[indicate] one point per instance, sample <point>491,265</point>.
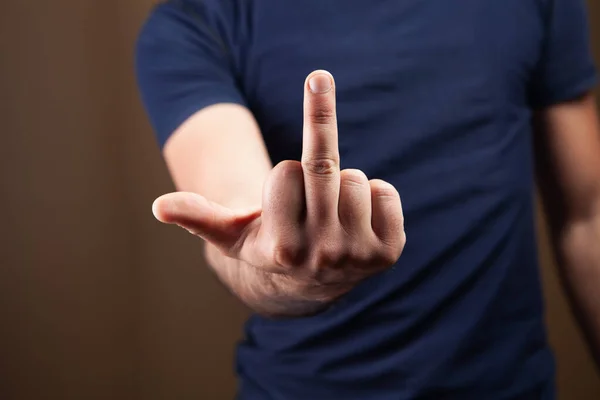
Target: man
<point>445,102</point>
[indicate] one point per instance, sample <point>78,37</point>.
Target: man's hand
<point>320,230</point>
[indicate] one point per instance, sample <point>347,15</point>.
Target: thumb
<point>223,227</point>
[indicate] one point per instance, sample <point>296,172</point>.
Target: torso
<point>432,97</point>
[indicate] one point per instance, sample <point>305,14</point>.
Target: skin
<point>314,232</point>
<point>567,144</point>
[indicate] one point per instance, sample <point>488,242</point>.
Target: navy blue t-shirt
<point>435,97</point>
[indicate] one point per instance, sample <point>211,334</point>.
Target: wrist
<point>284,297</point>
<point>275,296</point>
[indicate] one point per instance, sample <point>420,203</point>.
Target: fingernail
<point>320,83</point>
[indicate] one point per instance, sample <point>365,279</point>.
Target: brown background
<point>97,300</point>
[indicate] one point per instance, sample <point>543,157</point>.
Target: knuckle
<point>353,177</point>
<point>321,165</point>
<point>322,116</point>
<point>361,255</point>
<point>384,189</point>
<point>288,168</point>
<point>402,240</point>
<point>289,254</point>
<point>327,257</point>
<point>390,253</point>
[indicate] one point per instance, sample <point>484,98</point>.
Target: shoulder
<point>224,22</point>
<point>220,15</point>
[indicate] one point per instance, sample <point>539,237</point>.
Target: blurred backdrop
<point>97,300</point>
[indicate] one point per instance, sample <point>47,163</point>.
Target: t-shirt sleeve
<point>566,68</point>
<point>182,66</point>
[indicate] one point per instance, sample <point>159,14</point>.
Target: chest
<point>409,68</point>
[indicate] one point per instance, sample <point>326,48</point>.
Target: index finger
<point>320,152</point>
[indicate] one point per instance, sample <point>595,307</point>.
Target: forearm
<point>578,253</point>
<point>264,293</point>
<point>567,148</point>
